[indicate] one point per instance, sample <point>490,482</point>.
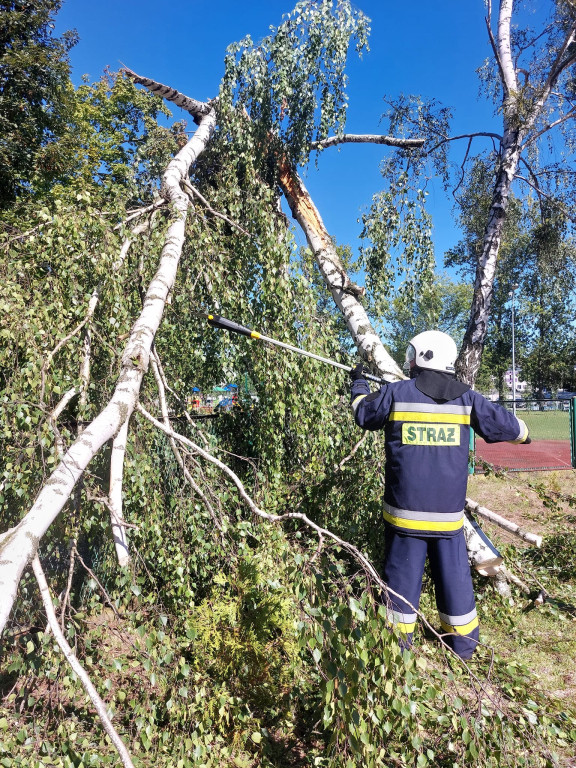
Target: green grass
<point>546,425</point>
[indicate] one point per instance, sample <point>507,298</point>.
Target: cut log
<point>507,525</point>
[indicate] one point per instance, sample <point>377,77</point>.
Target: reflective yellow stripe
<point>464,629</point>
<point>406,627</point>
<point>255,335</point>
<point>523,433</point>
<point>423,525</point>
<point>434,418</point>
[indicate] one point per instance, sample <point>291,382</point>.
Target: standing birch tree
<point>530,79</point>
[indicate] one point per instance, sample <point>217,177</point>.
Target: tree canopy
<point>35,97</point>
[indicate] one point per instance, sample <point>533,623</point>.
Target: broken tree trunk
<point>345,293</point>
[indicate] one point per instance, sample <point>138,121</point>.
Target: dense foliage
<point>35,97</point>
<point>228,640</point>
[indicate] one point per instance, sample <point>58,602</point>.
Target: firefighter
<point>426,421</point>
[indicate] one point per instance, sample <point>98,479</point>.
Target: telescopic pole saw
<point>227,325</point>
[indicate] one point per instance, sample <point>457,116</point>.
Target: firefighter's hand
<point>357,372</point>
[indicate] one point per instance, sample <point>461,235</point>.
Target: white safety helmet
<point>433,351</point>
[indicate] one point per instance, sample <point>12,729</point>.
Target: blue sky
<point>419,47</point>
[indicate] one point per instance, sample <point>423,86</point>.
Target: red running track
<point>540,454</point>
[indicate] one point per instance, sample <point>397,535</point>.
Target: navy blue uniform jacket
<point>427,450</point>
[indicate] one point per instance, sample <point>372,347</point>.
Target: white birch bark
<point>196,108</point>
<point>482,558</point>
<point>18,548</point>
<point>507,525</point>
<point>504,49</point>
<point>473,343</point>
<point>367,138</point>
<point>115,496</point>
<point>476,331</point>
<point>344,292</point>
<point>70,657</point>
<point>519,119</point>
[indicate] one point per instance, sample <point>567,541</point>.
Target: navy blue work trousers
<point>404,561</point>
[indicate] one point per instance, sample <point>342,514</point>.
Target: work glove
<point>357,372</point>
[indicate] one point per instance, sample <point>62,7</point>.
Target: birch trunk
<point>485,560</point>
<point>522,107</point>
<point>507,525</point>
<point>344,292</point>
<point>115,496</point>
<point>473,343</point>
<point>19,546</point>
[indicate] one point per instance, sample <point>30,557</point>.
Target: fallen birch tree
<point>20,545</point>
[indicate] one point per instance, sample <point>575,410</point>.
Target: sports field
<point>546,425</point>
<point>549,449</point>
<point>539,455</point>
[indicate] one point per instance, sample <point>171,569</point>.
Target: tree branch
<point>177,455</point>
<point>488,21</point>
<point>507,525</point>
<point>360,442</point>
<point>462,172</point>
<point>194,193</point>
<point>367,138</point>
<point>568,116</point>
<point>558,65</point>
<point>53,418</point>
<point>115,495</point>
<point>181,402</point>
<point>99,584</point>
<point>479,134</point>
<point>72,660</point>
<point>197,109</point>
<point>541,194</point>
<point>65,597</point>
<point>156,205</point>
<point>50,356</point>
